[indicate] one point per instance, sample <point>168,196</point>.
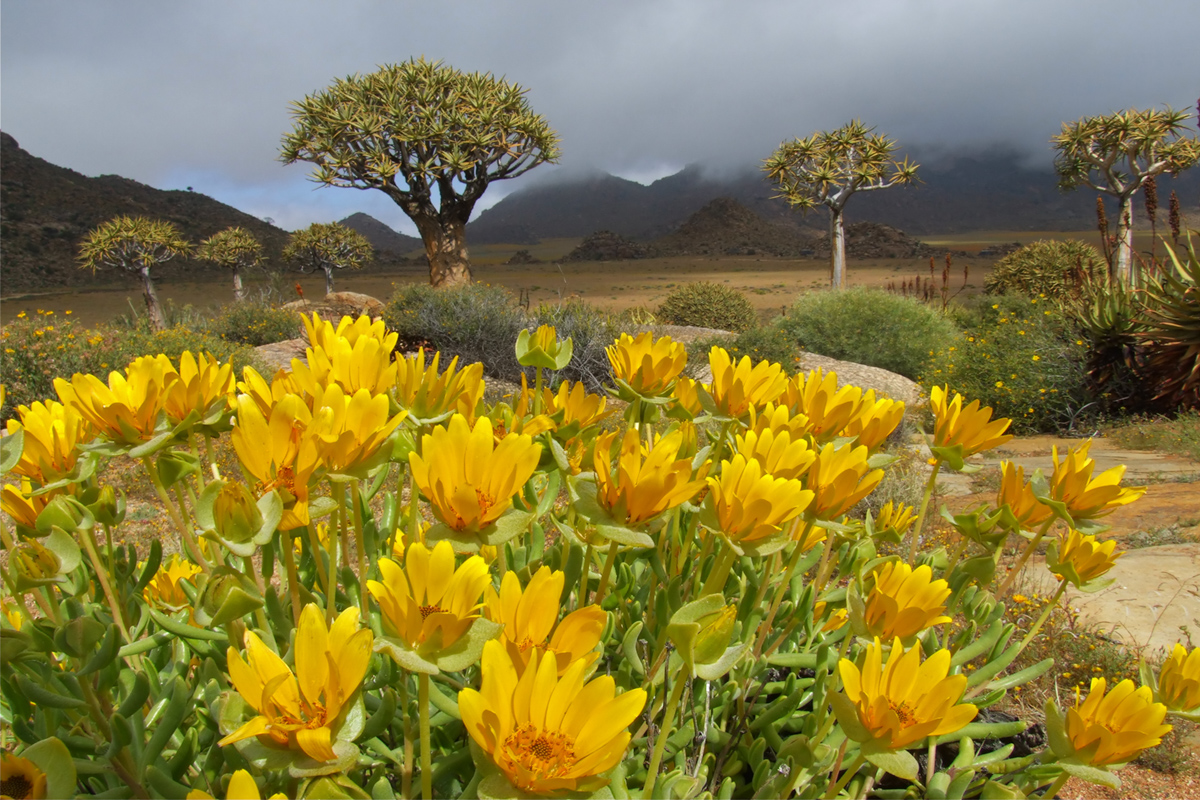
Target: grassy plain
<point>770,283</point>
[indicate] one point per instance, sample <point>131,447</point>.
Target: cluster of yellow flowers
<point>710,532</point>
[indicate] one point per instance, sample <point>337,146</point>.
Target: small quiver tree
<point>421,133</point>
<point>327,247</point>
<point>827,168</point>
<point>137,245</point>
<point>235,249</point>
<point>1116,154</point>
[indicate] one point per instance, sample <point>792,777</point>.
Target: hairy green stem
<point>919,525</point>
<point>423,716</point>
<point>1011,577</point>
<point>765,625</point>
<point>715,584</point>
<point>664,733</point>
<point>608,565</point>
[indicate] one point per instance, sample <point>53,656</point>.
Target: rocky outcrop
<point>522,257</point>
<point>336,305</point>
<point>725,227</point>
<point>608,246</point>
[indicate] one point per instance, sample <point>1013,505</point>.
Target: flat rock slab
<point>1157,590</point>
<point>279,355</point>
<point>1141,466</point>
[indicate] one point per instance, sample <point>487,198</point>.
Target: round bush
<point>869,326</point>
<point>1044,268</point>
<point>708,305</point>
<point>256,324</point>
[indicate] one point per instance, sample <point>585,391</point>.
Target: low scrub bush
<point>255,323</point>
<point>478,322</point>
<point>708,305</point>
<point>39,348</point>
<point>1021,358</point>
<point>869,326</point>
<point>1044,268</point>
<point>590,331</point>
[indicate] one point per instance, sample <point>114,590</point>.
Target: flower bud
<point>36,562</point>
<point>236,513</point>
<point>108,507</point>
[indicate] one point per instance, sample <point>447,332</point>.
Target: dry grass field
<point>770,283</point>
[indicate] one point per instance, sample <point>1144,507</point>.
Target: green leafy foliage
<point>1022,358</point>
<point>1048,267</point>
<point>869,326</point>
<point>255,323</point>
<point>132,244</point>
<point>708,305</point>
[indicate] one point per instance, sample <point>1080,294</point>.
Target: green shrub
<point>1022,359</point>
<point>1044,268</point>
<point>255,323</point>
<point>767,343</point>
<point>38,349</point>
<point>869,326</point>
<point>477,322</point>
<point>708,305</point>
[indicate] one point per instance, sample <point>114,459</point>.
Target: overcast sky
<point>194,93</point>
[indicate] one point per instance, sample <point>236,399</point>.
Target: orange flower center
<point>16,786</point>
<point>433,609</point>
<point>542,754</point>
<point>904,713</point>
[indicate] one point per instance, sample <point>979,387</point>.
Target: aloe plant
<point>1172,329</point>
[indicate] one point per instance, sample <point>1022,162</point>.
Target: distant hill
<point>726,227</point>
<point>46,210</point>
<point>992,192</point>
<point>381,237</point>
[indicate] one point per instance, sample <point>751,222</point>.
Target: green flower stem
<point>289,561</point>
<point>406,770</point>
<point>537,391</point>
<point>426,756</point>
<point>364,598</point>
<point>765,625</point>
<point>189,542</point>
<point>208,451</point>
<point>704,551</point>
<point>664,733</point>
<point>108,544</point>
<point>581,601</point>
<point>259,614</point>
<point>195,451</point>
<point>332,548</point>
<point>608,565</point>
<point>1058,784</point>
<point>849,773</point>
<point>919,525</point>
<point>1011,577</point>
<point>398,499</point>
<point>1037,626</point>
<point>314,544</point>
<point>720,572</point>
<point>89,544</point>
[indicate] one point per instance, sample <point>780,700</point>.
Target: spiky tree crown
<point>408,127</point>
<point>1115,153</point>
<point>232,248</point>
<point>131,243</point>
<point>328,245</point>
<point>829,166</point>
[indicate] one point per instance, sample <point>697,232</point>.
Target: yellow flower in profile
<point>1113,728</point>
<point>469,480</point>
<point>430,396</point>
<point>529,616</point>
<point>574,408</point>
<point>21,504</point>
<point>1016,493</point>
<point>751,505</point>
<point>778,453</point>
<point>349,430</point>
<point>241,787</point>
<point>428,604</point>
<point>323,333</point>
<point>164,590</point>
<point>127,408</point>
<point>278,453</point>
<point>903,601</point>
<point>302,709</point>
<point>905,701</point>
<point>20,778</point>
<point>643,484</point>
<point>1085,497</point>
<point>646,365</point>
<point>875,420</point>
<point>736,388</point>
<point>895,517</point>
<point>365,364</point>
<point>972,427</point>
<point>266,395</point>
<point>780,418</point>
<point>687,398</point>
<point>837,618</point>
<point>1079,558</point>
<point>543,349</point>
<point>53,433</point>
<point>201,383</point>
<point>840,477</point>
<point>548,733</point>
<point>1179,679</point>
<point>12,613</point>
<point>817,397</point>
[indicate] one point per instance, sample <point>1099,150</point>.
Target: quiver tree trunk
<point>239,294</point>
<point>446,249</point>
<point>1124,255</point>
<point>153,307</point>
<point>837,249</point>
<point>328,279</point>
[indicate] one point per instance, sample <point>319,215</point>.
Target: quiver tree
<point>235,249</point>
<point>417,129</point>
<point>1116,154</point>
<point>327,247</point>
<point>827,168</point>
<point>137,245</point>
